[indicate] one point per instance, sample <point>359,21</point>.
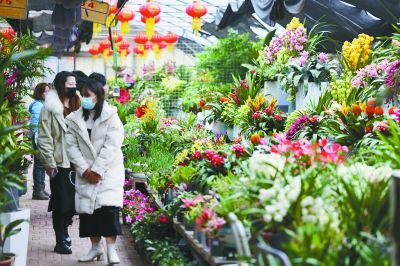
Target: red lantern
<point>7,33</point>
<point>171,39</point>
<point>123,48</point>
<point>116,37</point>
<point>156,19</point>
<point>162,45</point>
<point>111,12</point>
<point>196,10</point>
<point>141,39</point>
<point>148,46</point>
<point>94,51</point>
<point>150,10</point>
<point>124,17</point>
<point>156,39</point>
<point>105,45</point>
<point>139,52</point>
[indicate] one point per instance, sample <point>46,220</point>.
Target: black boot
<point>62,248</point>
<point>67,239</point>
<point>39,195</point>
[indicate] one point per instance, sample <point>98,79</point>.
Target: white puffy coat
<point>102,153</point>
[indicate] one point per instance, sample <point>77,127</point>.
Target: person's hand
<point>50,171</point>
<point>91,177</point>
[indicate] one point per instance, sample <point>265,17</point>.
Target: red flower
<point>140,111</point>
<point>278,117</point>
<point>196,155</point>
<point>256,115</point>
<point>209,154</point>
<point>202,103</point>
<point>268,110</point>
<point>368,129</point>
<point>370,110</point>
<point>314,119</point>
<point>238,150</point>
<point>253,71</point>
<point>217,160</point>
<point>163,219</point>
<point>124,96</point>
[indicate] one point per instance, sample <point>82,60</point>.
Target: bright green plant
<point>228,54</point>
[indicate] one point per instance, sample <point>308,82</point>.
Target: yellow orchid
<point>358,52</point>
<point>294,24</point>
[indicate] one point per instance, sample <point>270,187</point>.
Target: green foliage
<point>227,56</point>
<point>163,253</point>
<point>389,149</point>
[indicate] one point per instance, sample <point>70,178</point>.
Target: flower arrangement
<point>357,53</point>
<point>392,78</point>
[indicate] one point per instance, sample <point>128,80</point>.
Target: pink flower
<point>303,58</point>
<point>209,154</point>
<point>381,126</point>
<point>322,57</point>
<point>12,79</point>
<point>188,203</point>
<point>238,150</point>
<point>196,155</point>
<point>256,115</point>
<point>278,117</point>
<point>217,160</point>
<point>128,219</point>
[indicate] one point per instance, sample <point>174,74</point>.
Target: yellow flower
<point>357,53</point>
<point>197,146</point>
<point>272,104</point>
<point>181,157</point>
<point>294,24</point>
<point>257,103</point>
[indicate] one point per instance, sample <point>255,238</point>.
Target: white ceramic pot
<point>17,244</point>
<point>311,95</point>
<point>230,133</point>
<point>219,127</point>
<point>274,89</point>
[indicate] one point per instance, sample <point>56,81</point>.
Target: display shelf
<point>197,247</point>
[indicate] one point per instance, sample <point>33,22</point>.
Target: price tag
<point>94,11</point>
<point>15,9</point>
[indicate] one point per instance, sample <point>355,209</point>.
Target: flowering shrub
<point>392,79</point>
<point>135,206</point>
<point>366,75</point>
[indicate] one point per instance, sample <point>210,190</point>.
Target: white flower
<point>270,209</point>
<point>267,217</point>
<point>307,201</point>
<point>266,164</point>
<point>266,194</point>
<point>278,217</point>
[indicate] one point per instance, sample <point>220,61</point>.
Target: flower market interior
<point>199,132</point>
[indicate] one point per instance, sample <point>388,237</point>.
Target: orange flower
<point>224,99</point>
<point>392,109</point>
<point>370,110</point>
<point>202,103</point>
<point>379,110</point>
<point>356,109</point>
<point>255,139</point>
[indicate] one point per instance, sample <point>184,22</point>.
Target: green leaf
<point>269,37</point>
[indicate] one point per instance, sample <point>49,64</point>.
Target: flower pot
<point>310,94</point>
<point>200,236</point>
<point>216,247</point>
<point>219,128</point>
<point>9,260</point>
<point>274,89</point>
<point>230,133</point>
<point>189,225</point>
<point>17,244</point>
<point>226,236</point>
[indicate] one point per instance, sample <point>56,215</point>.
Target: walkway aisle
<point>42,240</point>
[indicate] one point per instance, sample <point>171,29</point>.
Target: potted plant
<point>6,231</point>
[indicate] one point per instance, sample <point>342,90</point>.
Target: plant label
<point>116,92</point>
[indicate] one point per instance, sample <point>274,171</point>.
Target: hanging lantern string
<point>119,10</point>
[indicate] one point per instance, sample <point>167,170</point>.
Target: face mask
<point>71,92</point>
<point>87,103</point>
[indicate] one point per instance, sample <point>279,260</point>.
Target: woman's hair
<point>95,87</point>
<point>59,84</point>
<point>81,78</point>
<point>99,77</point>
<point>39,90</point>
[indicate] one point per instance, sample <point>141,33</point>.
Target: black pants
<point>61,221</point>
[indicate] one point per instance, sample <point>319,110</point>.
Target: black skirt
<point>103,222</point>
<point>62,191</point>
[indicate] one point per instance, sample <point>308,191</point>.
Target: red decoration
<point>105,46</point>
<point>113,7</point>
<point>171,39</point>
<point>141,39</point>
<point>150,10</point>
<point>94,51</point>
<point>196,10</point>
<point>116,37</point>
<point>156,19</point>
<point>123,48</point>
<point>124,17</point>
<point>156,40</point>
<point>162,46</point>
<point>137,51</point>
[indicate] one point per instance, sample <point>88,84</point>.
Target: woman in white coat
<point>94,139</point>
